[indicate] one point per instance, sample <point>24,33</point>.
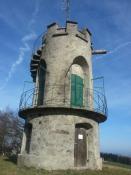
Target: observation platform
<point>94,104</point>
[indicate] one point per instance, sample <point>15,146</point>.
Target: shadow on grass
<point>12,159</point>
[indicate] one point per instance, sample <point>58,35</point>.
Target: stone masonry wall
<point>52,143</point>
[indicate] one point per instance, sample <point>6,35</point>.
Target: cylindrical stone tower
<point>62,113</point>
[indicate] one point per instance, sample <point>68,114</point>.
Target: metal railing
<point>55,95</point>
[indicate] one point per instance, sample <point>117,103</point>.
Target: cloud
<point>30,36</point>
<point>34,15</point>
<point>115,49</point>
<point>25,46</point>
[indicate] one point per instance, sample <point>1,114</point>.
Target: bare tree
<point>11,128</point>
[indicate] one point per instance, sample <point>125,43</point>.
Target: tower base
<point>38,163</point>
<point>61,141</point>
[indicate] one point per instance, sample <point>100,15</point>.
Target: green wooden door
<point>76,90</point>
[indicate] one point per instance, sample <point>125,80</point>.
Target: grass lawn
<point>9,168</point>
<point>117,165</point>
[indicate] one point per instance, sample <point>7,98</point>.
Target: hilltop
<point>8,167</point>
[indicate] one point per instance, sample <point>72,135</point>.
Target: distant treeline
<point>116,158</point>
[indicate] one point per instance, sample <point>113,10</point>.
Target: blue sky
<point>21,22</point>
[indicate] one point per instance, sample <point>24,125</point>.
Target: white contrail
<point>25,48</point>
<point>32,21</point>
<point>63,5</point>
<point>22,52</point>
<point>115,50</point>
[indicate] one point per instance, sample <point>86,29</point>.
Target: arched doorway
<point>77,82</point>
<point>80,82</point>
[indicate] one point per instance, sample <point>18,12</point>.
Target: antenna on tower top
<point>67,8</point>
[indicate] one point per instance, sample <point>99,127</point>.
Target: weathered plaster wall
<point>59,53</point>
<point>52,142</point>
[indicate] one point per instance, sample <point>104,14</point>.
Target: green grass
<point>117,165</point>
<point>9,168</point>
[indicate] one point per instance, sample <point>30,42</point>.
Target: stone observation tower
<point>63,111</point>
